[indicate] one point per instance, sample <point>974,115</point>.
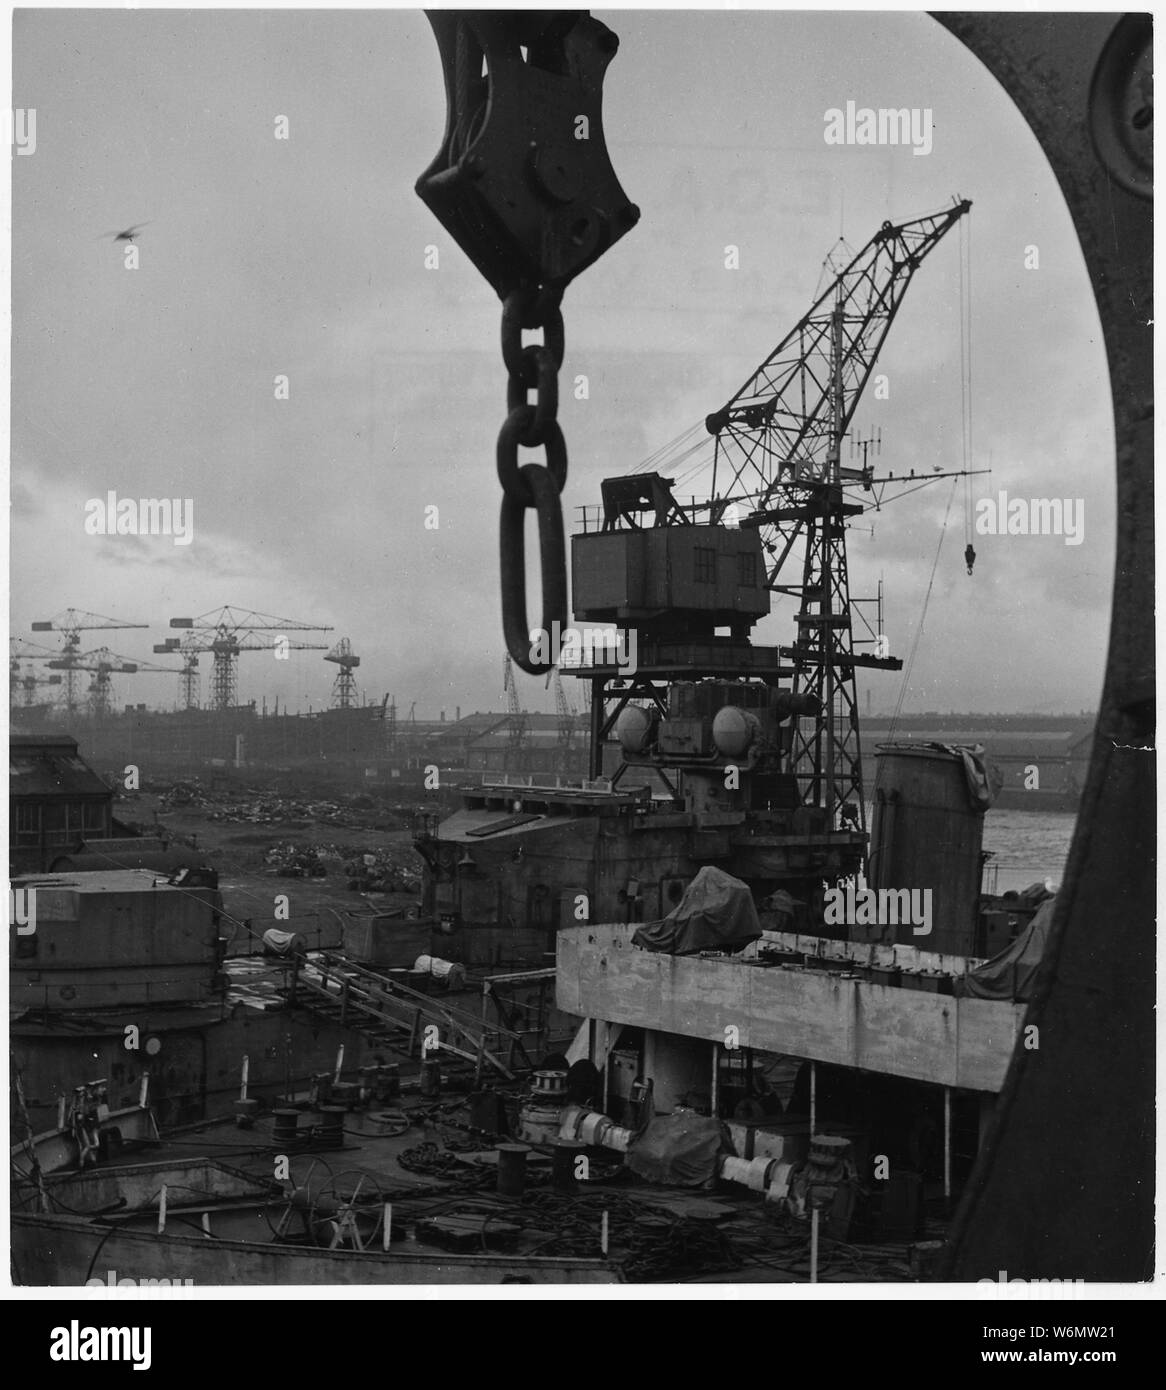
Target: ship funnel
<point>926,836</point>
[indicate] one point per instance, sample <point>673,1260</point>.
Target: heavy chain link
<point>523,183</point>
<point>534,486</point>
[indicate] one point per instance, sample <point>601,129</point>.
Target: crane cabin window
<point>704,560</point>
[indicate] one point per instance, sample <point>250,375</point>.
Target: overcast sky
<point>306,257</point>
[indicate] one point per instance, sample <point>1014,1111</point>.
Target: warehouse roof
<point>49,765</point>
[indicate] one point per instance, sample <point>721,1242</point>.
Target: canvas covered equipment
<point>716,914</point>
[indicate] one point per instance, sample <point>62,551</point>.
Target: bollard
<point>286,1126</point>
<point>431,1077</point>
<point>330,1129</point>
<point>245,1112</point>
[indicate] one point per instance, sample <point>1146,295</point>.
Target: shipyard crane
<point>189,681</point>
<point>567,714</point>
<point>389,715</point>
<point>778,446</point>
<point>344,686</point>
<point>26,684</point>
<point>517,722</point>
<point>103,664</point>
<point>777,455</point>
<point>71,623</point>
<point>225,633</point>
<point>22,685</point>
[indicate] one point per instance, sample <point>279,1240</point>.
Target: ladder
<point>394,1015</point>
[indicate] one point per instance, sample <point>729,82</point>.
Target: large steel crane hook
<point>524,185</point>
<point>523,181</point>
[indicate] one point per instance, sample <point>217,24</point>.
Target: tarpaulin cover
<point>783,903</point>
<point>715,914</point>
<point>984,778</point>
<point>282,943</point>
<point>680,1149</point>
<point>1010,975</point>
<point>1034,894</point>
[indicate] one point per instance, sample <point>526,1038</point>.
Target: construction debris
<point>259,806</point>
<point>393,869</point>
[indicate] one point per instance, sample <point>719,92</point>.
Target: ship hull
<point>62,1251</point>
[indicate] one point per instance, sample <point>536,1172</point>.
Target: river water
<point>1027,846</point>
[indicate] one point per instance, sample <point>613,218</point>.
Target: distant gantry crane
<point>72,623</point>
<point>389,715</point>
<point>344,686</point>
<point>22,685</point>
<point>103,664</point>
<point>189,680</point>
<point>225,633</point>
<point>28,684</point>
<point>517,713</point>
<point>566,713</point>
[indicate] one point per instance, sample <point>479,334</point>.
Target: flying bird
<point>129,234</point>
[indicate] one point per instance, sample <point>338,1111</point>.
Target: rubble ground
<point>370,866</point>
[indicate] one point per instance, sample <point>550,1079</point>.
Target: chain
<point>534,486</point>
<point>533,203</point>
